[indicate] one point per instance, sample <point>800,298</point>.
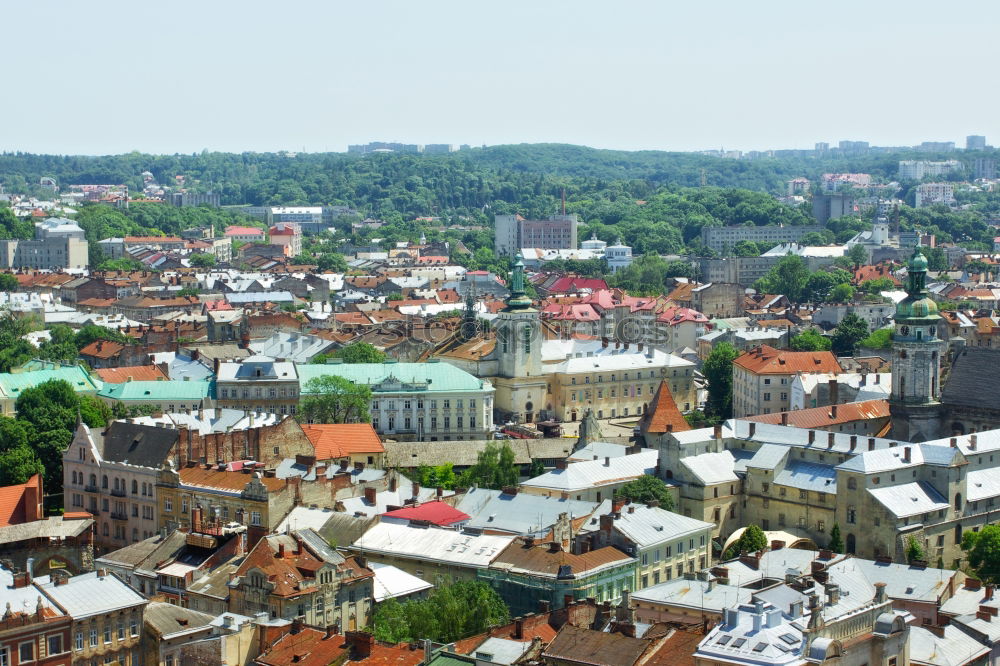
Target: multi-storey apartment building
<point>417,401</point>
<point>106,615</point>
<point>513,232</point>
<point>58,244</point>
<point>721,239</point>
<point>762,377</point>
<point>297,575</point>
<point>258,383</point>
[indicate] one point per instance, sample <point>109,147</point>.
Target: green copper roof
<point>14,383</point>
<point>917,304</point>
<point>191,391</point>
<point>437,376</point>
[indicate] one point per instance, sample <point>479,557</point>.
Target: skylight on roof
<point>739,642</point>
<point>760,647</point>
<point>789,638</point>
<point>723,639</point>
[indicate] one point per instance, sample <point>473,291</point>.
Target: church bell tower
<point>916,360</point>
<point>519,331</point>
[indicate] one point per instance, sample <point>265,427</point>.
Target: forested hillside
<point>652,200</point>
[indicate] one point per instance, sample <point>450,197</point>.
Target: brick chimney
<point>370,494</point>
<point>784,418</point>
<point>561,464</point>
<point>196,519</point>
<point>812,436</point>
<point>854,442</point>
<point>906,454</point>
<point>717,432</point>
<point>753,429</point>
<point>361,643</point>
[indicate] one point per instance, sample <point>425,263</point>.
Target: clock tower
<point>916,359</point>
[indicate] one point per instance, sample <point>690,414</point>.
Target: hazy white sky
<point>181,76</point>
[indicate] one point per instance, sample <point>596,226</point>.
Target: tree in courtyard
<point>449,613</point>
<point>983,549</point>
<point>437,476</point>
<point>849,333</point>
<point>718,371</point>
<point>842,293</point>
<point>809,340</point>
<point>18,464</point>
<point>333,399</point>
<point>647,488</point>
<point>752,540</point>
<point>360,352</point>
<point>914,551</point>
<point>495,469</point>
<point>202,260</point>
<point>788,277</point>
<point>858,255</point>
<point>8,282</point>
<point>836,543</point>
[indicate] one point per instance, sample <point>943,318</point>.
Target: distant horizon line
<point>833,147</point>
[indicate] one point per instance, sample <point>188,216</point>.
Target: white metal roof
<point>432,544</point>
<point>89,594</point>
<point>596,473</point>
<point>910,499</point>
<point>391,582</point>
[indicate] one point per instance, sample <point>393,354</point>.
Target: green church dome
<point>918,262</point>
<point>917,308</point>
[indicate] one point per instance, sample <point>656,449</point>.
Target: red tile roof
<point>663,414</point>
<point>15,502</point>
<point>675,316</point>
<point>819,417</point>
<point>338,440</point>
<point>102,349</point>
<point>133,373</point>
<point>568,283</point>
<point>437,513</point>
<point>153,239</point>
<point>309,647</point>
<point>764,360</point>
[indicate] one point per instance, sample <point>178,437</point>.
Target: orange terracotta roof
<point>764,360</point>
<point>309,647</point>
<point>682,292</point>
<point>818,417</point>
<point>540,559</point>
<point>213,478</point>
<point>338,440</point>
<point>13,510</point>
<point>97,302</point>
<point>775,323</point>
<point>133,373</point>
<point>105,349</point>
<point>663,414</point>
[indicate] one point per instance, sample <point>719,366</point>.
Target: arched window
<point>852,483</point>
<point>104,481</point>
<point>851,544</point>
<point>958,501</point>
<point>958,534</point>
<point>93,480</point>
<point>135,487</point>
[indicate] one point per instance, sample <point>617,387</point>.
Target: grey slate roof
<point>147,446</point>
<point>518,514</point>
<point>165,619</point>
<point>973,370</point>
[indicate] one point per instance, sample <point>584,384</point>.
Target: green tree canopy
<point>880,338</point>
<point>647,488</point>
<point>842,293</point>
<point>360,352</point>
<point>8,282</point>
<point>718,371</point>
<point>750,541</point>
<point>848,334</point>
<point>202,260</point>
<point>914,551</point>
<point>836,543</point>
<point>983,549</point>
<point>449,613</point>
<point>810,340</point>
<point>333,399</point>
<point>495,468</point>
<point>788,277</point>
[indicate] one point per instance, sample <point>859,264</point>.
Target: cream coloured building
<point>763,376</point>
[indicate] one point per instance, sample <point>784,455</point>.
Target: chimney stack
<point>784,418</point>
<point>812,436</point>
<point>753,429</point>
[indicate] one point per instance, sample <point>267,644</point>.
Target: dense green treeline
<point>651,200</point>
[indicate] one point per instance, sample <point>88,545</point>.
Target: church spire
<point>518,298</point>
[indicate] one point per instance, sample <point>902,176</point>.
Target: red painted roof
<point>244,231</point>
<point>438,513</point>
<point>102,349</point>
<point>674,316</point>
<point>576,283</point>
